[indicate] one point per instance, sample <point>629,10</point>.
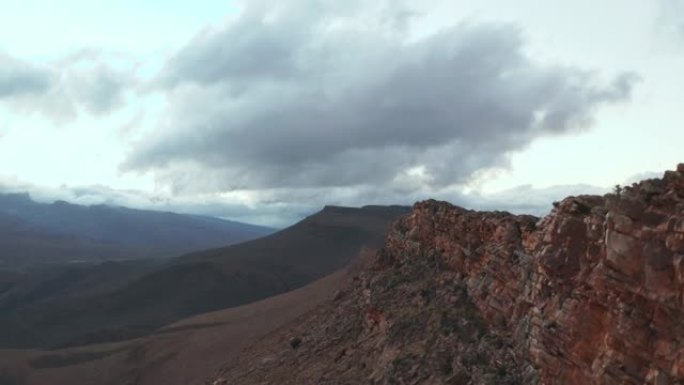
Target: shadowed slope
<point>192,284</point>
<point>182,353</point>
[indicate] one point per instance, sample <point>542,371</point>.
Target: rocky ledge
<point>593,293</point>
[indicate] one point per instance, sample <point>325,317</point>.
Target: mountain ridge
<point>38,233</point>
<point>590,294</point>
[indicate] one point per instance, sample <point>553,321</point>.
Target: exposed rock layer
<point>591,294</point>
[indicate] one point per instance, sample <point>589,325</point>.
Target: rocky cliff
<point>591,294</point>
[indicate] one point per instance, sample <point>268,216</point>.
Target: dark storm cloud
<point>59,89</point>
<point>290,100</point>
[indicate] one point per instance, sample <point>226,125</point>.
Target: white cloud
<point>61,89</point>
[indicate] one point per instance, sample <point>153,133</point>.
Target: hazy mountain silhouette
<point>34,233</point>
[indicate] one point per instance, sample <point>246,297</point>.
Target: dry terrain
<point>186,352</point>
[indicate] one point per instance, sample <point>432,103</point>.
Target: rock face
<point>591,294</point>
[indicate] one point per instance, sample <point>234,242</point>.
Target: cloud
<point>526,199</point>
<point>99,89</point>
<point>288,98</point>
<point>642,176</point>
<point>84,80</point>
<point>671,17</point>
<point>18,78</point>
<point>273,213</point>
<point>283,207</point>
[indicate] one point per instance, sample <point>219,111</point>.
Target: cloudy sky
<point>264,111</point>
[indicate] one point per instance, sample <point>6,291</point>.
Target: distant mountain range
<point>33,233</point>
<point>81,304</point>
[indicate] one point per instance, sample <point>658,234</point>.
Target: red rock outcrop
<point>593,293</point>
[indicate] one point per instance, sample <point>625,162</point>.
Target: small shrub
<point>295,342</point>
<point>617,190</point>
<point>445,365</point>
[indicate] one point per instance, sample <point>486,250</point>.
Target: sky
<point>265,111</point>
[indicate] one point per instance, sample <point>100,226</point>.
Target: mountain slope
<point>590,294</point>
<point>54,311</point>
<point>179,354</point>
<point>36,233</point>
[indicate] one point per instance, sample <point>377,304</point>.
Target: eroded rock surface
<point>591,294</point>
